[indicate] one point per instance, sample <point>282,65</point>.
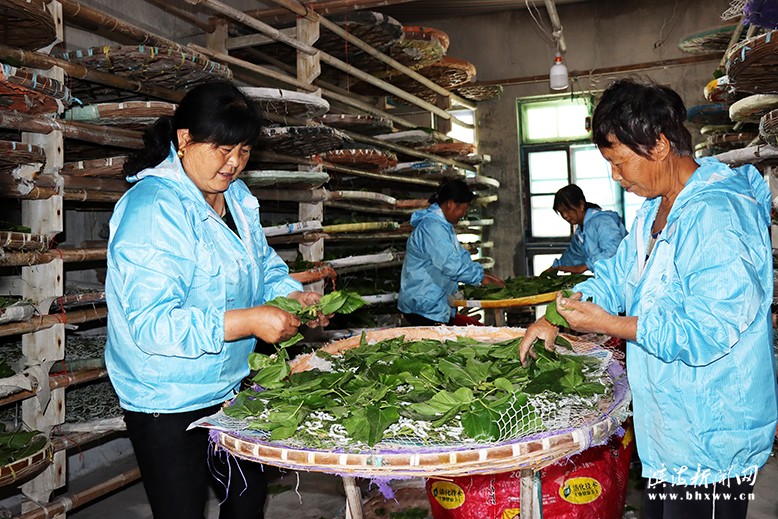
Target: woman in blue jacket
<point>597,233</point>
<point>435,262</point>
<point>189,271</point>
<point>690,290</point>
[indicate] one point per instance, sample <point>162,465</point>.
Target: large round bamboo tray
<point>13,153</point>
<point>358,123</point>
<point>397,460</point>
<point>753,64</point>
<point>750,109</point>
<point>363,158</point>
<point>164,67</point>
<point>447,72</point>
<point>266,178</point>
<point>135,115</point>
<point>732,140</point>
<point>20,470</point>
<point>708,40</point>
<point>713,113</point>
<point>25,91</point>
<point>107,167</point>
<point>376,29</point>
<point>419,47</point>
<point>479,92</point>
<point>768,127</point>
<point>287,102</point>
<point>538,299</point>
<point>450,149</point>
<point>26,24</point>
<point>300,140</point>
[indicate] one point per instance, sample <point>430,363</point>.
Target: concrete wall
<point>602,33</point>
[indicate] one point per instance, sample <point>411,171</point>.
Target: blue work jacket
<point>701,370</point>
<point>598,238</point>
<point>434,265</point>
<point>174,269</point>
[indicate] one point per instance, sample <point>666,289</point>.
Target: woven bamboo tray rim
<point>706,114</point>
<point>165,67</point>
<point>263,178</point>
<point>15,240</point>
<point>752,64</point>
<point>358,123</point>
<point>27,24</point>
<point>107,167</point>
<point>378,30</point>
<point>768,127</point>
<point>26,467</point>
<point>479,92</point>
<point>732,138</point>
<point>445,149</point>
<point>715,39</point>
<point>363,156</point>
<point>25,91</point>
<point>750,109</point>
<point>505,303</point>
<point>301,140</point>
<point>533,452</point>
<point>125,113</point>
<point>13,153</point>
<point>287,102</point>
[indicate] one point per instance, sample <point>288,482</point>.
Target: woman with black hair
<point>435,262</point>
<point>189,271</point>
<point>690,289</point>
<point>597,233</point>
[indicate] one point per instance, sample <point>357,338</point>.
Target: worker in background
<point>189,271</point>
<point>435,261</point>
<point>693,283</point>
<point>597,233</point>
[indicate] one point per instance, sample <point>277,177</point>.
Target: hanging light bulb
<point>558,75</point>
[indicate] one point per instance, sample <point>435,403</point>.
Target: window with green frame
<point>556,150</point>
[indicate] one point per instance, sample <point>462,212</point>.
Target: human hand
<point>540,329</point>
<point>582,316</point>
<point>271,324</point>
<point>548,273</point>
<point>491,279</point>
<point>309,299</point>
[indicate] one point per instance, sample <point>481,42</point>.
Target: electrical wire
<point>546,33</point>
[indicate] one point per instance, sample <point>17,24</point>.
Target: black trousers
<point>420,320</point>
<point>177,467</point>
<point>725,500</point>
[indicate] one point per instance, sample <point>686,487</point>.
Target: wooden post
<point>43,283</point>
<point>308,69</point>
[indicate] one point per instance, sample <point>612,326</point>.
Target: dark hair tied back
<point>216,113</point>
<point>455,190</point>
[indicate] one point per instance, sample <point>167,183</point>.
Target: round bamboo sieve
<point>399,460</point>
<point>13,473</point>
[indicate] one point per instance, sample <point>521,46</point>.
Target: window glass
<point>545,222</point>
<point>547,171</point>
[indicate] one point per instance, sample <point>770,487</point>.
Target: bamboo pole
<point>72,129</point>
<point>76,499</point>
<point>265,29</point>
<point>19,57</point>
<point>604,71</point>
<point>67,255</point>
<point>261,27</point>
<point>47,321</point>
<point>57,382</point>
<point>94,20</point>
<point>301,10</point>
<point>278,157</point>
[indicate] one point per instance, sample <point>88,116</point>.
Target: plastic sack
<point>588,485</point>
